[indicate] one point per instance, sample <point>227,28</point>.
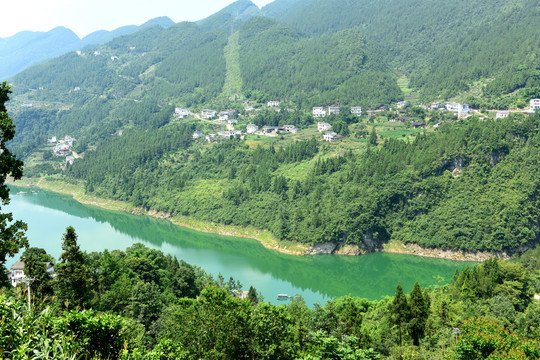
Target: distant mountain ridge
<point>28,48</point>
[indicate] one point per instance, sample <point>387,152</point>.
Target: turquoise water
<point>317,278</point>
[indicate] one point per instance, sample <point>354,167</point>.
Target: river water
<point>317,278</point>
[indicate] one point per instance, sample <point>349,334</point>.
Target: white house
<point>181,112</point>
<point>251,128</point>
<point>16,273</point>
<point>208,114</point>
<point>330,136</point>
<point>401,104</point>
<point>270,129</point>
<point>323,126</point>
<point>333,110</point>
<point>535,104</point>
<point>197,134</point>
<point>290,128</point>
<point>273,103</point>
<point>356,110</point>
<point>51,140</point>
<point>502,114</point>
<point>249,108</point>
<point>459,109</point>
<point>319,112</point>
<point>232,121</point>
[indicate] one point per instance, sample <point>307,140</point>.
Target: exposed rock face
<point>324,248</point>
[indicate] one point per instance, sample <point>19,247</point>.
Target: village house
<point>459,109</point>
<point>502,114</point>
<point>330,136</point>
<point>441,123</point>
<point>269,129</point>
<point>249,108</point>
<point>51,140</point>
<point>417,125</point>
<point>401,104</point>
<point>61,149</point>
<point>435,105</point>
<point>232,121</point>
<point>273,103</point>
<point>323,126</point>
<point>290,128</point>
<point>251,128</point>
<point>319,112</point>
<point>16,273</point>
<point>210,137</point>
<point>229,134</point>
<point>224,115</point>
<point>333,110</point>
<point>356,110</point>
<point>181,112</point>
<point>208,114</point>
<point>534,104</point>
<point>197,134</point>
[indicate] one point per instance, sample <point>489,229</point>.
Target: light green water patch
<point>316,278</point>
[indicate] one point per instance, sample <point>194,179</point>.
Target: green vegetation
<point>467,186</point>
<point>342,68</point>
<point>12,237</point>
<point>142,304</point>
<point>444,46</point>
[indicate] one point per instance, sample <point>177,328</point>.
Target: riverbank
<point>76,191</point>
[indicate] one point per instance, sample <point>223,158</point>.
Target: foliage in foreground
<point>141,304</point>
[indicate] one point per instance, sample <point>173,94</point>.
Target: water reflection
<point>317,278</point>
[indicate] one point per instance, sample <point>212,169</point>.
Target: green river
<point>317,278</point>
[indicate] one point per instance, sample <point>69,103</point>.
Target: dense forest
<point>445,46</point>
<point>142,304</point>
<point>471,185</point>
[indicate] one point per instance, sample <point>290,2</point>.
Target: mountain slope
<point>28,48</point>
<point>231,17</point>
<point>426,38</point>
<point>340,68</point>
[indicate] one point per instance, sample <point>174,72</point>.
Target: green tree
<point>72,274</point>
<point>12,237</point>
<point>400,311</point>
<point>252,295</point>
<point>419,313</point>
<point>36,261</point>
<point>373,137</point>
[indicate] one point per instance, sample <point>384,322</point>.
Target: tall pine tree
<point>419,312</point>
<point>400,311</point>
<point>72,275</point>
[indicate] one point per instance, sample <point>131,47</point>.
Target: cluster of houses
<point>460,109</point>
<point>63,147</point>
<point>16,273</point>
<point>320,111</point>
<point>250,129</point>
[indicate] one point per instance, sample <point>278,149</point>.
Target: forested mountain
<point>133,80</point>
<point>231,16</point>
<point>339,68</point>
<point>444,46</point>
<point>28,48</point>
<point>472,186</point>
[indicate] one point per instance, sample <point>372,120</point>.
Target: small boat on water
<point>21,192</point>
<point>283,297</point>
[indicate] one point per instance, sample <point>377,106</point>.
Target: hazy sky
<point>86,16</point>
